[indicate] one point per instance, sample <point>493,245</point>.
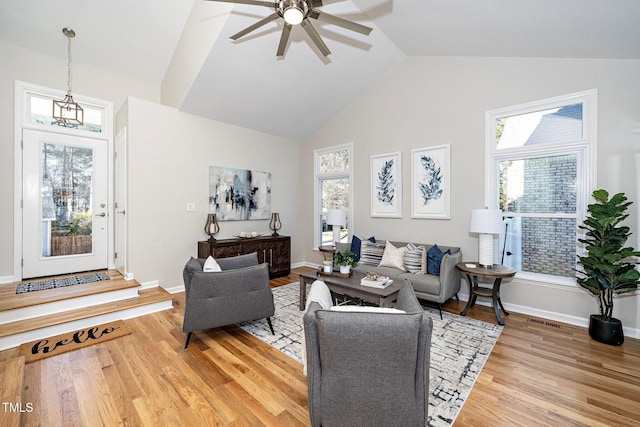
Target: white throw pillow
<point>393,257</point>
<point>211,265</point>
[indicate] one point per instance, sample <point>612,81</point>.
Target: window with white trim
<point>333,189</point>
<point>41,112</point>
<point>541,164</point>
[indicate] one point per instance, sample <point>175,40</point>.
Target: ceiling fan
<point>297,12</point>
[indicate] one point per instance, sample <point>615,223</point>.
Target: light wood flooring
<point>539,373</point>
<point>10,300</point>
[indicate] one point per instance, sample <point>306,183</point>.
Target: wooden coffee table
<point>351,287</point>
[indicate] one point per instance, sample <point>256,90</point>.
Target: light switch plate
<point>191,207</point>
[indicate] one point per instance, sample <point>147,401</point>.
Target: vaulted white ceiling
<point>243,82</point>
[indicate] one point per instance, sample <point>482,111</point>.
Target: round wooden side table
<point>473,270</point>
<point>327,250</point>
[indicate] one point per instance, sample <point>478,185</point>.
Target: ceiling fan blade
<point>251,2</point>
<point>315,37</point>
<point>255,26</point>
<point>284,38</point>
<point>340,22</point>
<point>318,3</point>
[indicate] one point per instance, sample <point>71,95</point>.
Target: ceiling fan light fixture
<point>293,12</point>
<point>297,12</point>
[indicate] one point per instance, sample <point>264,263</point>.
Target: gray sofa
<point>368,369</point>
<point>428,287</point>
<point>239,293</point>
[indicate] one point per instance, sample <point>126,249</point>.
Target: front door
<point>64,204</point>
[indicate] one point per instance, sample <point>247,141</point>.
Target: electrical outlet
<point>191,207</point>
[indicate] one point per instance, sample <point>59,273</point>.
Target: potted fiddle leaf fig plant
<point>608,267</point>
<point>346,260</point>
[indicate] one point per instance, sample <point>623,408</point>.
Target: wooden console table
<point>276,251</point>
<point>473,270</point>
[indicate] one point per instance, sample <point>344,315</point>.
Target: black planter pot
<point>606,331</point>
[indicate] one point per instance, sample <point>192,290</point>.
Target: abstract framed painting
<point>386,185</point>
<point>431,182</point>
<point>239,194</point>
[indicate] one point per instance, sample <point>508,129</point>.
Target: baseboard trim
<point>549,315</point>
<point>6,279</point>
<point>175,289</point>
<point>309,264</point>
<point>150,284</point>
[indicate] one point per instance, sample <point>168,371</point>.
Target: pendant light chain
<point>69,65</point>
<point>67,112</point>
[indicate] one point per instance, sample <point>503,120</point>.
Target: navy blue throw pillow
<point>356,244</point>
<point>434,259</point>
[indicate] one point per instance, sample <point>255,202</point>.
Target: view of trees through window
<point>333,175</point>
<point>66,197</point>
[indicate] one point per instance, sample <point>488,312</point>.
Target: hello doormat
<point>43,285</point>
<point>71,341</point>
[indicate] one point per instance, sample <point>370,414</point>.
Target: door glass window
<point>67,173</point>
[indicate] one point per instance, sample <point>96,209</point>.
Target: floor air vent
<point>544,323</point>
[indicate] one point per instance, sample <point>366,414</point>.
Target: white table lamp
<point>336,218</point>
<point>487,223</point>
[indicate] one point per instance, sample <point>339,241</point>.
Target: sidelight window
<point>333,169</point>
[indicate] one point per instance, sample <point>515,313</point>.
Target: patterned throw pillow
<point>415,259</point>
<point>356,244</point>
<point>393,257</point>
<point>434,259</point>
<point>371,253</point>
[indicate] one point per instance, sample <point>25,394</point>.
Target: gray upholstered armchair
<point>239,293</point>
<point>368,368</point>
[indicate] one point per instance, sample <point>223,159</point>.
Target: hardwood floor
<point>539,373</point>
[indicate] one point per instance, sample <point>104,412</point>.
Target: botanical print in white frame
<point>386,185</point>
<point>430,182</point>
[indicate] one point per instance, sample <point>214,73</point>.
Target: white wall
<point>431,101</point>
<point>33,67</point>
<point>203,28</point>
<point>168,156</point>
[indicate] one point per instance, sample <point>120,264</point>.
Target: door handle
<point>121,212</point>
<point>101,214</point>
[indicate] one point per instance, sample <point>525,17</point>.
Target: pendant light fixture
<point>67,112</point>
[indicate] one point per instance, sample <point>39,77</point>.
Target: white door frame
<point>23,92</point>
<point>120,204</point>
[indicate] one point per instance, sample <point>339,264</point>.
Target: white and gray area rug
<point>460,346</point>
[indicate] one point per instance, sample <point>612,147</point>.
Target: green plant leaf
<point>601,195</point>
